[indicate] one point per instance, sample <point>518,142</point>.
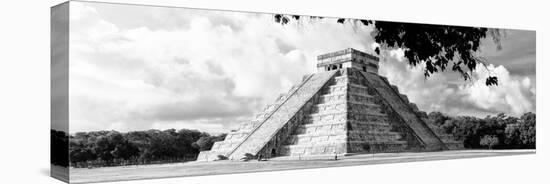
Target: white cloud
<point>511,95</point>
<point>447,92</point>
<point>211,70</point>
<point>222,65</point>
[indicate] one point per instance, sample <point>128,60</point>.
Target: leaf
<point>491,80</point>
<point>366,22</point>
<point>377,50</point>
<point>278,18</point>
<point>285,20</point>
<point>341,21</point>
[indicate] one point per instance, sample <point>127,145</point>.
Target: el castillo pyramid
<point>345,108</point>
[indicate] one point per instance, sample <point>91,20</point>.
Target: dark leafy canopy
<point>439,47</point>
<point>499,132</point>
<point>206,142</point>
<point>137,146</point>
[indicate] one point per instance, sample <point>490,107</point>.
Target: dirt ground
<point>82,175</point>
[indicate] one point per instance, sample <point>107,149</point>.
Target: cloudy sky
<point>140,67</point>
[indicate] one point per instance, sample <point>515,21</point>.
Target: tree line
<point>105,148</point>
<point>493,132</point>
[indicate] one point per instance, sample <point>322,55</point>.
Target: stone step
<point>365,99</point>
<point>376,147</point>
<point>321,130</point>
<point>313,149</point>
<point>374,136</point>
<point>333,97</point>
<point>360,94</point>
<point>336,117</point>
<point>341,80</point>
<point>358,107</point>
<point>347,79</point>
<point>332,115</point>
<point>356,123</point>
<point>369,127</point>
<point>316,139</point>
<point>340,106</point>
<point>366,116</point>
<point>350,97</point>
<point>311,122</point>
<point>345,87</point>
<point>319,134</point>
<point>322,123</point>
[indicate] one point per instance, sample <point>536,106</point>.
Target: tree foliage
<point>150,145</point>
<point>437,47</point>
<point>509,132</point>
<point>489,141</point>
<point>206,142</point>
<point>527,129</point>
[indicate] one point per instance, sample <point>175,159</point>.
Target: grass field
<point>225,167</point>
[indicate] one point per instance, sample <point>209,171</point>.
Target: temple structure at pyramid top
<point>348,58</point>
<point>344,108</point>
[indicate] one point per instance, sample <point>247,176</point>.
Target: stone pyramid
<point>345,108</point>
